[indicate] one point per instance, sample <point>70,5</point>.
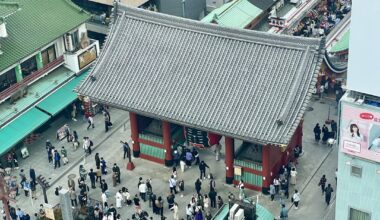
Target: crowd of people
<point>320,20</point>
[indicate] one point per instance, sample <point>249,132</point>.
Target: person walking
<point>202,169</point>
<point>241,190</point>
<point>103,166</point>
<point>107,122</point>
<point>325,132</point>
<point>293,176</point>
<point>175,211</point>
<point>272,192</point>
<point>296,198</point>
<point>322,183</point>
<point>189,158</point>
<point>283,212</point>
<point>170,198</point>
<point>182,164</point>
<point>119,199</point>
<point>126,148</point>
<point>212,195</point>
<point>143,189</point>
<point>104,198</point>
<point>317,132</point>
<point>206,203</point>
<point>116,172</point>
<point>73,198</point>
<point>160,206</point>
<point>196,156</point>
<point>276,183</point>
<point>90,121</point>
<point>212,182</point>
<point>92,175</point>
<point>217,149</point>
<point>57,159</point>
<point>67,133</point>
<point>176,158</point>
<point>189,212</point>
<point>97,160</point>
<point>173,184</point>
<point>104,186</point>
<point>198,186</point>
<point>328,192</point>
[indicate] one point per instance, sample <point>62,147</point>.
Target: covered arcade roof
<point>235,14</point>
<point>245,84</point>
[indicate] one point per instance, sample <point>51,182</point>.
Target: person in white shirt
<point>119,199</point>
<point>142,189</point>
<point>296,198</point>
<point>173,184</point>
<point>104,198</point>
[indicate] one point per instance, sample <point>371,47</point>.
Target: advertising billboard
<point>360,131</point>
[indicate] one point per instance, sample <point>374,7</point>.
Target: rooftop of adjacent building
<point>34,24</point>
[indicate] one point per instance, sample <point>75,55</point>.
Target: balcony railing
<point>30,78</point>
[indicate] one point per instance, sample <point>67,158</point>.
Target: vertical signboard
<point>360,131</point>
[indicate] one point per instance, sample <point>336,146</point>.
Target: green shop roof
<point>235,14</point>
<point>35,24</point>
<point>342,44</point>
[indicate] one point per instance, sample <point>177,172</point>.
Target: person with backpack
<point>322,183</point>
<point>202,169</point>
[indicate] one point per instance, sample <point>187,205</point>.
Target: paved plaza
<point>317,159</point>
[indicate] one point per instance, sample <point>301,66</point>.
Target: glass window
<point>359,215</point>
<point>48,55</point>
<point>7,79</point>
<point>29,66</point>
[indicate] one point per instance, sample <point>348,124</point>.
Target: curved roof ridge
<point>193,25</point>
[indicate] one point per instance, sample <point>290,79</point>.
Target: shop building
<point>45,52</point>
<point>359,121</point>
<point>192,83</point>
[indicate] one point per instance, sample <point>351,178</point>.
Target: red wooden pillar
<point>134,134</point>
<point>167,143</point>
<point>266,169</point>
<point>300,134</point>
<point>229,159</point>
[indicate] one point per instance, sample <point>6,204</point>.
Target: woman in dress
<point>119,199</point>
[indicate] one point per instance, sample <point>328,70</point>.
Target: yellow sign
<point>49,212</point>
<point>237,170</point>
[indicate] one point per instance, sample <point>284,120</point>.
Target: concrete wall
<point>194,9</point>
<point>355,192</point>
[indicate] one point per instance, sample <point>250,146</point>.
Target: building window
<point>29,66</point>
<point>356,171</point>
<point>71,41</point>
<point>7,79</point>
<point>48,55</point>
<point>358,215</point>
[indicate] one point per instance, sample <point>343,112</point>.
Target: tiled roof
<point>246,84</point>
<point>37,23</point>
<point>236,14</point>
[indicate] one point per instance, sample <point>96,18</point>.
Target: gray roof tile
<point>233,82</point>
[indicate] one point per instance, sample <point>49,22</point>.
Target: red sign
<point>367,116</point>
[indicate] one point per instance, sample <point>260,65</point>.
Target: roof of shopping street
<point>241,83</point>
<point>237,13</point>
<point>35,24</point>
<point>342,44</point>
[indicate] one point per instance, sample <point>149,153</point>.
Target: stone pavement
<point>111,150</point>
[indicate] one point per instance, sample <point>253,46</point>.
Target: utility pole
<point>183,8</point>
